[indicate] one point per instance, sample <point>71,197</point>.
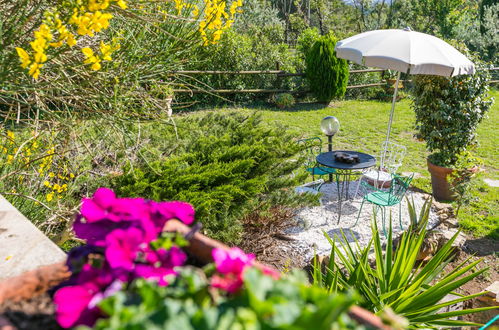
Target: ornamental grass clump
<point>92,56</point>
<point>132,275</point>
<point>398,282</point>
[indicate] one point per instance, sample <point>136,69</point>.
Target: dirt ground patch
<point>35,313</point>
<point>264,236</point>
<point>488,251</point>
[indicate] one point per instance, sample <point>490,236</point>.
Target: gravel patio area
<point>312,222</point>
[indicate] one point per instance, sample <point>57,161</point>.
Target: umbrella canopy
<point>404,51</point>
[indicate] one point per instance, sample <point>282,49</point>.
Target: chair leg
<point>337,183</point>
<point>358,215</point>
<point>320,186</point>
<point>383,219</point>
<point>375,215</point>
<point>400,216</point>
<point>357,189</point>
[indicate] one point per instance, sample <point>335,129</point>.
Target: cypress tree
<point>327,74</point>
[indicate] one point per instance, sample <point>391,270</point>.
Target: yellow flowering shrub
<point>64,26</point>
<point>33,173</point>
<point>87,18</point>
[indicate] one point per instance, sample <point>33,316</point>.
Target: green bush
<point>306,40</point>
<point>187,303</point>
<point>226,165</point>
<point>327,74</point>
<point>284,100</point>
<point>256,50</point>
<point>448,111</point>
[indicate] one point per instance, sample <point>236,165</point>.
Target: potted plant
<point>136,271</point>
<point>284,100</point>
<point>448,111</point>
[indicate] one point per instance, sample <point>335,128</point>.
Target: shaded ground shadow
<point>482,246</point>
<point>347,208</point>
<point>350,235</point>
<point>304,106</point>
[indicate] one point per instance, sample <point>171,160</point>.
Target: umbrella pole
<point>391,118</point>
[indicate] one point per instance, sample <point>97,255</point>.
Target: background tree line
<point>277,33</point>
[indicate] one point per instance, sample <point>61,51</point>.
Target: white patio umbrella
<point>404,51</point>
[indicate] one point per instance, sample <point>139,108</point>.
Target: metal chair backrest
<point>391,157</point>
<point>399,186</point>
<point>311,148</point>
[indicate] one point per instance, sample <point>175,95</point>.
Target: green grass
<point>363,128</point>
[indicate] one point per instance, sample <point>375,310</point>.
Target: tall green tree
<point>327,74</point>
<point>437,17</point>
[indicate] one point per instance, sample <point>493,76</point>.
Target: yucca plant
<point>398,281</point>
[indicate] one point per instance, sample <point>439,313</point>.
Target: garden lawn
<point>363,128</point>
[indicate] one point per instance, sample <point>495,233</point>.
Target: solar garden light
<point>330,126</point>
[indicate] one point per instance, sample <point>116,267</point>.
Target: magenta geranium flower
<point>72,305</point>
<point>98,207</point>
<point>179,210</point>
<point>160,264</point>
<point>230,283</point>
<point>122,247</point>
<point>231,264</point>
<point>232,261</point>
<point>104,212</point>
<point>119,232</point>
<point>270,272</point>
<point>95,232</point>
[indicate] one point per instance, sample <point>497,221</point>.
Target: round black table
<point>345,170</point>
<point>365,160</point>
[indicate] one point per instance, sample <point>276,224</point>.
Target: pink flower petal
<point>94,232</point>
<point>179,210</point>
<point>91,211</point>
<point>104,197</point>
<point>71,303</point>
<point>122,247</point>
<point>159,274</point>
<point>270,272</point>
<point>229,283</point>
<point>232,261</point>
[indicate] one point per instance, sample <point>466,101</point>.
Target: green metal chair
<point>383,198</point>
<point>312,147</point>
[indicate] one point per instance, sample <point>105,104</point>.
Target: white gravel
<point>312,222</point>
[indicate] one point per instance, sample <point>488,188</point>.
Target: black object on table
<point>347,163</point>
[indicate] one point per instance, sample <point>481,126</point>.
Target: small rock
<point>491,297</point>
<point>305,190</point>
<point>443,216</point>
<point>491,183</point>
<point>322,260</point>
<point>450,222</point>
<point>452,308</point>
<point>441,206</point>
<point>303,223</point>
<point>460,239</point>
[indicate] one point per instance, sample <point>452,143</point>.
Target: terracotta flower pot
<point>33,283</point>
<point>440,186</point>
